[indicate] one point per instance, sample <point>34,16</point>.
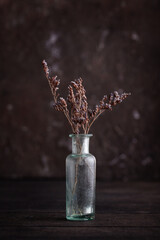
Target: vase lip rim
<point>81,135</point>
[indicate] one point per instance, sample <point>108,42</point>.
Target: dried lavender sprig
<point>45,68</point>
<point>61,104</point>
<point>53,82</point>
<point>82,104</point>
<point>79,105</point>
<point>113,100</point>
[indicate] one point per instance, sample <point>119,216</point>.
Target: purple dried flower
<point>79,115</point>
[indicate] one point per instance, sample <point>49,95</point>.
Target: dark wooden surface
<point>36,210</point>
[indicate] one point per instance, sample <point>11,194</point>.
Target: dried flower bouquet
<point>79,116</point>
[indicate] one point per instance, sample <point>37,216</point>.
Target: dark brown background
<point>112,45</point>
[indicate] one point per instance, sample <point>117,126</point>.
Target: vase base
<point>85,217</point>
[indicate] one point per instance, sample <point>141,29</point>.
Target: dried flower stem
<point>90,124</point>
<point>76,177</point>
<point>68,118</point>
<point>76,167</point>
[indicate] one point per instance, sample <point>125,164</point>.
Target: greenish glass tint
<point>80,180</point>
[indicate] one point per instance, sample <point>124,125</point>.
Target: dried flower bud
<point>45,67</point>
<point>75,85</point>
<point>63,102</point>
<point>110,98</point>
<point>71,97</point>
<point>116,94</point>
<point>90,113</point>
<point>58,107</point>
<point>125,95</point>
<point>110,107</point>
<point>104,98</point>
<point>77,97</point>
<point>55,81</point>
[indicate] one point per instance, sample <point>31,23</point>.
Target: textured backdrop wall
<point>112,45</point>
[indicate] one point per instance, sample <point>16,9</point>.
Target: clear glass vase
<point>80,180</point>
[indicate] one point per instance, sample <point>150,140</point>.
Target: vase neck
<point>80,143</point>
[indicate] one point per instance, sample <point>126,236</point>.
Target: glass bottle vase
<point>80,180</point>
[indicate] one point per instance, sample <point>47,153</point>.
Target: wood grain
<point>36,210</point>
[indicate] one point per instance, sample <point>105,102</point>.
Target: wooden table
<point>36,210</point>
